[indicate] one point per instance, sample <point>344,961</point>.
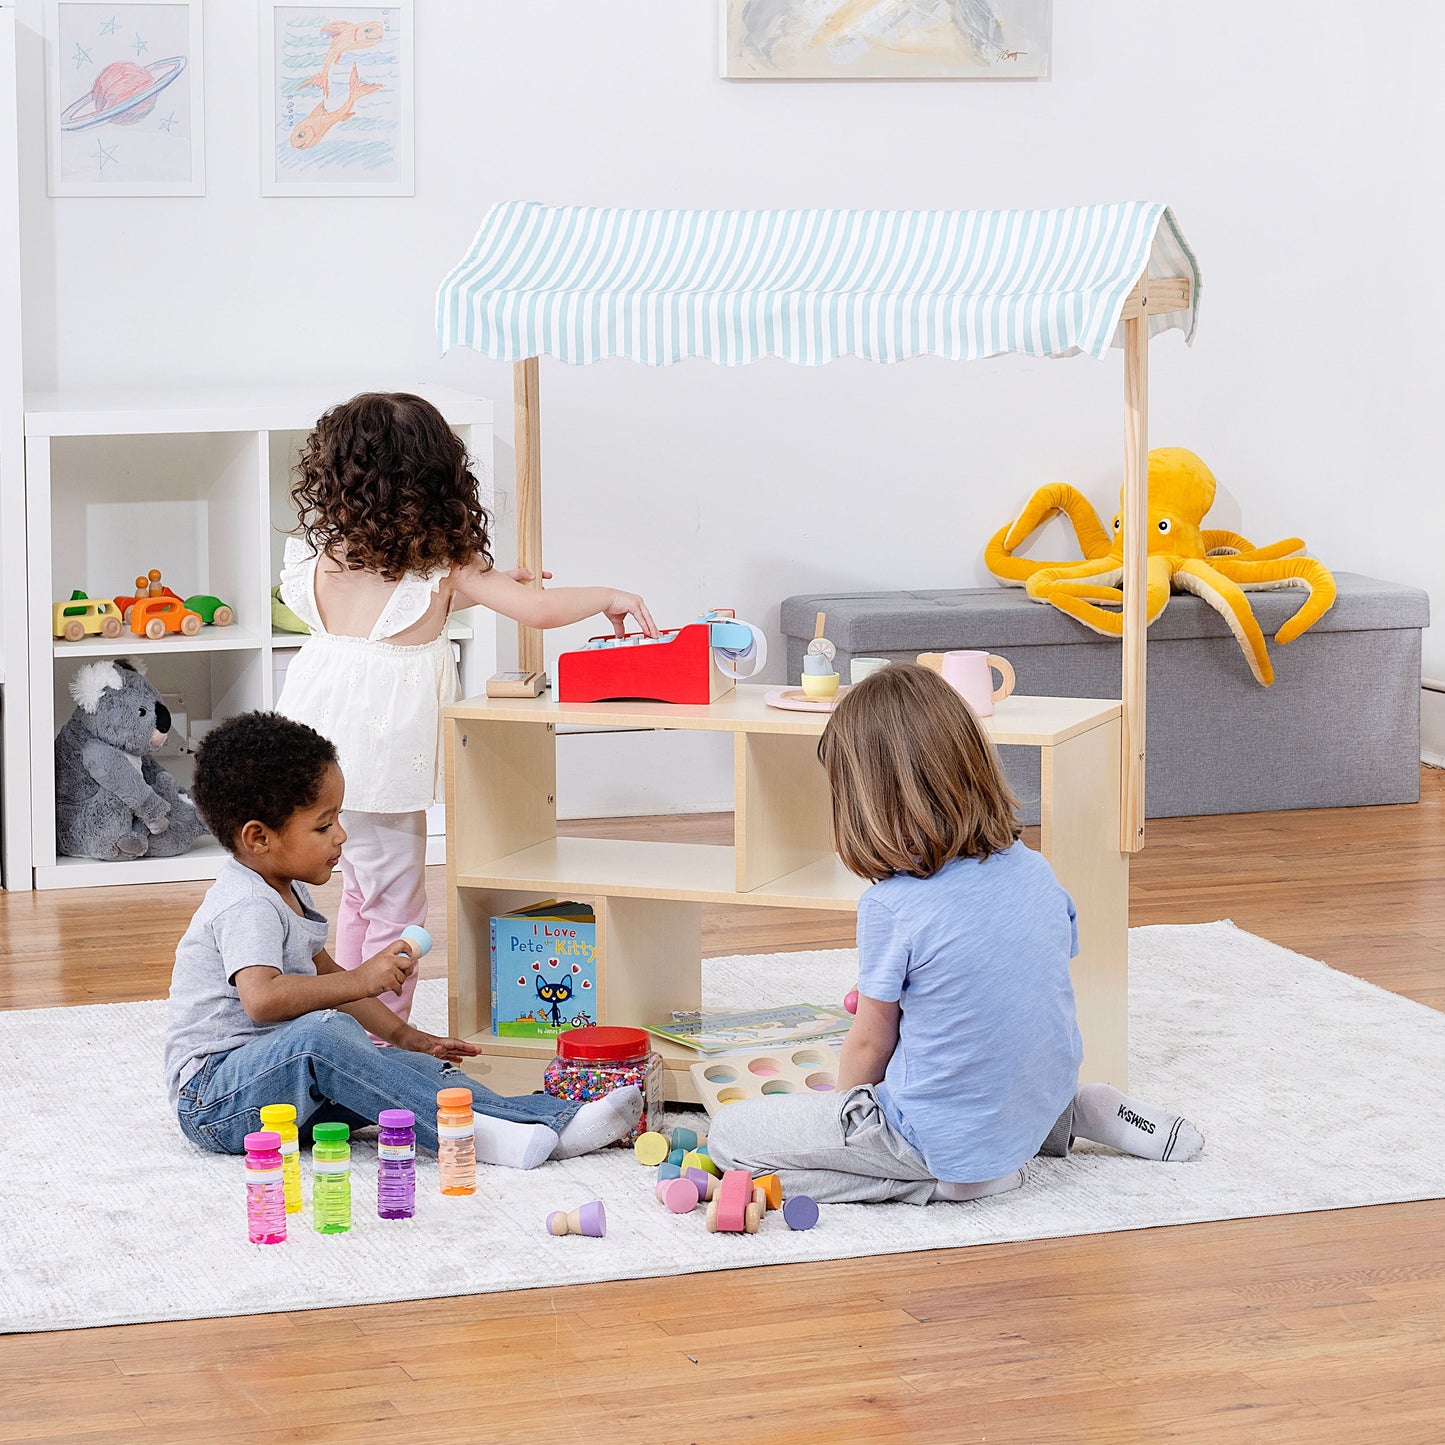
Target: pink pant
<point>383,872</point>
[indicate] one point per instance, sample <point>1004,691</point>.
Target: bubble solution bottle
<point>265,1197</point>
<point>331,1178</point>
<point>396,1164</point>
<point>456,1142</point>
<point>282,1119</point>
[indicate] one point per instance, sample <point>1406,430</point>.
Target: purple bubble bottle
<point>396,1164</point>
<point>265,1191</point>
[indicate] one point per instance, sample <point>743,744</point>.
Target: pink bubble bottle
<point>265,1193</point>
<point>396,1164</point>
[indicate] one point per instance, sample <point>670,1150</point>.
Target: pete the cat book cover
<point>544,970</point>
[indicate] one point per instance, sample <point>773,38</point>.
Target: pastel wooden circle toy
<point>800,1212</point>
<point>771,1188</point>
<point>706,1184</point>
<point>668,1170</point>
<point>650,1148</point>
<point>688,1139</point>
<point>589,1219</point>
<point>693,1160</point>
<point>417,939</point>
<point>680,1195</point>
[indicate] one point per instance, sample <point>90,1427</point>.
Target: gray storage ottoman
<point>1340,727</point>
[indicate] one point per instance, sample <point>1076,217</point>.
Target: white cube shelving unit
<point>196,484</point>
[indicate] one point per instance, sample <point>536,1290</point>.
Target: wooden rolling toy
<point>738,1208</point>
<point>800,1211</point>
<point>772,1190</point>
<point>707,1185</point>
<point>794,1069</point>
<point>589,1219</point>
<point>680,1195</point>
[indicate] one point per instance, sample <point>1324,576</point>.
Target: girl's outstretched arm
<point>869,1043</point>
<point>548,607</point>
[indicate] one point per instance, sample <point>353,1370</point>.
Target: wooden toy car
<point>211,610</point>
<point>738,1207</point>
<point>75,618</point>
<point>148,586</point>
<point>153,617</point>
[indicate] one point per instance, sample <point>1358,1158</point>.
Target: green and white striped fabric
<point>583,283</point>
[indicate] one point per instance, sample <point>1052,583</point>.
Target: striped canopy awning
<point>583,283</point>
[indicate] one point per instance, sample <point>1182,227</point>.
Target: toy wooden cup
<point>668,1170</point>
<point>589,1219</point>
<point>688,1139</point>
<point>693,1160</point>
<point>771,1188</point>
<point>680,1195</point>
<point>820,677</point>
<point>970,674</point>
<point>705,1184</point>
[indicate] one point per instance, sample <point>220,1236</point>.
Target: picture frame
<point>885,40</point>
<point>125,112</point>
<point>337,99</point>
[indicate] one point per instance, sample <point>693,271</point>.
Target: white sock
<point>958,1193</point>
<point>1106,1116</point>
<point>600,1123</point>
<point>513,1146</point>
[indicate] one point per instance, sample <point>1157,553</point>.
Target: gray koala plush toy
<point>113,800</point>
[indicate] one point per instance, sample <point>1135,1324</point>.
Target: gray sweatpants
<point>838,1148</point>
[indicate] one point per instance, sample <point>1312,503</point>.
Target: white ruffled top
<point>380,703</point>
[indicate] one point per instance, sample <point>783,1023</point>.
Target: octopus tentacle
<point>1219,541</point>
<point>1078,596</point>
<point>1226,597</point>
<point>1047,502</point>
<point>1265,575</point>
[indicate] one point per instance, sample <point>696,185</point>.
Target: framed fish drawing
<point>123,109</point>
<point>886,39</point>
<point>336,100</point>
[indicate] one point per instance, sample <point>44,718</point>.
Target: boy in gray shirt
<point>260,1013</point>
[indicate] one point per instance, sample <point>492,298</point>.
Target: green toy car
<point>213,612</point>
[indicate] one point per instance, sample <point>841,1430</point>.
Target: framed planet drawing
<point>124,112</point>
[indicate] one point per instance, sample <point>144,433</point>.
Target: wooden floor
<point>1319,1328</point>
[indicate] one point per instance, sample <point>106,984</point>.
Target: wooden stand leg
<point>1136,575</point>
<point>784,818</point>
<point>1080,817</point>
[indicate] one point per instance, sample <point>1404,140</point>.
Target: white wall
<point>1300,144</point>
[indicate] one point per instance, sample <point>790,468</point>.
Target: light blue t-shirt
<point>988,1045</point>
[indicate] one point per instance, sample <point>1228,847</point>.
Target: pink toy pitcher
<point>971,674</point>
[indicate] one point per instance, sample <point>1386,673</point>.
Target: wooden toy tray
<point>787,1069</point>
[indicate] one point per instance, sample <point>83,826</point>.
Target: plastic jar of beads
<point>592,1062</point>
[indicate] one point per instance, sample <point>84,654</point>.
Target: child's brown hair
<point>384,485</point>
<point>915,782</point>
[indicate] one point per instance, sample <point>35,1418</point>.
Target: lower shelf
<point>201,863</point>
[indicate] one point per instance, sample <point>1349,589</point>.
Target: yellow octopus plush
<point>1218,566</point>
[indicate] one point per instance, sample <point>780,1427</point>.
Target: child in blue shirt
<point>963,1061</point>
<point>259,1012</point>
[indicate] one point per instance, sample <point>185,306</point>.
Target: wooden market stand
<point>503,851</point>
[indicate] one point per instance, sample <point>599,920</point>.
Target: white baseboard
<point>1432,726</point>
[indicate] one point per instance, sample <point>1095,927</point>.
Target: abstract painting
<point>336,100</point>
<point>124,106</point>
<point>886,39</point>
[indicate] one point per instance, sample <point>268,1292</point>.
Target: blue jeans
<point>325,1065</point>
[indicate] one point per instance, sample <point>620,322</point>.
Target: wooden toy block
<point>417,940</point>
<point>707,1185</point>
<point>772,1188</point>
<point>650,1148</point>
<point>693,1160</point>
<point>688,1139</point>
<point>589,1219</point>
<point>734,1211</point>
<point>791,1069</point>
<point>680,1195</point>
<point>668,1170</point>
<point>675,1157</point>
<point>800,1212</point>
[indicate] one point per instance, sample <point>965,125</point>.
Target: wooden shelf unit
<point>197,484</point>
<point>503,853</point>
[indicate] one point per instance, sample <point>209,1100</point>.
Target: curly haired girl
<point>393,537</point>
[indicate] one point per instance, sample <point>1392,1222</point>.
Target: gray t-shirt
<point>242,922</point>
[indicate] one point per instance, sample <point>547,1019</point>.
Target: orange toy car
<point>153,617</point>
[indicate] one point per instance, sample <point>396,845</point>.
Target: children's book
<point>544,970</point>
<point>714,1033</point>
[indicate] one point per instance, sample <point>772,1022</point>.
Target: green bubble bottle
<point>282,1119</point>
<point>331,1178</point>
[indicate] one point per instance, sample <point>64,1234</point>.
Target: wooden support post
<point>1136,577</point>
<point>529,679</point>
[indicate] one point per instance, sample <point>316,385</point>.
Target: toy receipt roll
<point>740,648</point>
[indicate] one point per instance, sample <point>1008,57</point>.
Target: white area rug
<point>1314,1091</point>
